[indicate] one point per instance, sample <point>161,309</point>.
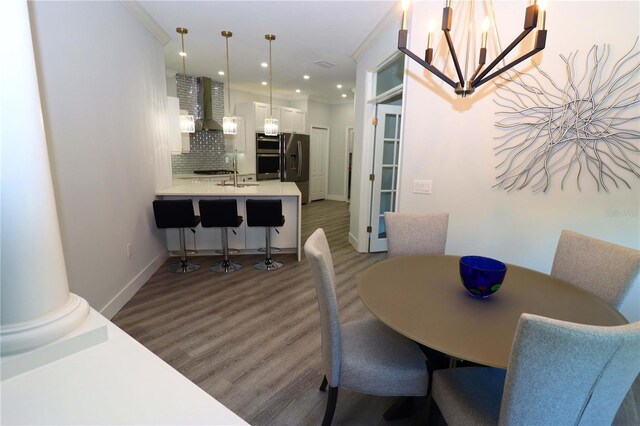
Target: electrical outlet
<point>422,186</point>
<point>129,251</point>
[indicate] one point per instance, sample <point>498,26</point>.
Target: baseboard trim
<point>124,295</point>
<point>336,197</point>
<point>353,241</point>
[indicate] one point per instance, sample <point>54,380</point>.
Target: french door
<point>385,172</point>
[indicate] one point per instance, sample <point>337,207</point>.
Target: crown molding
<point>393,16</point>
<point>147,20</point>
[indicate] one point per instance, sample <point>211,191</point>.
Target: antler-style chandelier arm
<point>447,15</point>
<point>541,39</point>
<point>402,46</point>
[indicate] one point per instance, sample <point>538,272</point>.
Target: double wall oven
<point>267,157</point>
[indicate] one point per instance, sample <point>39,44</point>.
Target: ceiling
<point>306,31</point>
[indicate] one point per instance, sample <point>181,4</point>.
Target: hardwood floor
<point>251,339</point>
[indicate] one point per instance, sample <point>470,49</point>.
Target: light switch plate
<point>422,186</point>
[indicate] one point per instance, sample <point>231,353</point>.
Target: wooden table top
<point>422,297</point>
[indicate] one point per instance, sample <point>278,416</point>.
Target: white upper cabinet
<point>261,111</point>
<point>293,120</point>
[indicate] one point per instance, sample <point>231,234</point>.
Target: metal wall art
<point>588,129</point>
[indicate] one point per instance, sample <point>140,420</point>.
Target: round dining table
<point>422,297</point>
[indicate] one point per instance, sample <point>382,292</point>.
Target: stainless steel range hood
<point>205,121</point>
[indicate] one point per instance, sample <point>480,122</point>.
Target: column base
<point>28,335</point>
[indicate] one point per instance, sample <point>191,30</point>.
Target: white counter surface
<point>199,187</point>
<point>200,176</point>
<point>118,382</point>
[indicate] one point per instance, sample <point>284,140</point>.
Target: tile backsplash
<point>207,148</point>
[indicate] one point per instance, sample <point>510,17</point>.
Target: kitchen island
<point>246,239</point>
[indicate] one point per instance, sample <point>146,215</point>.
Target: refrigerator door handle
<point>300,158</point>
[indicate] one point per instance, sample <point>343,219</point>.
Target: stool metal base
<point>183,267</point>
<point>268,265</point>
<point>226,266</point>
<point>273,249</point>
<point>231,251</point>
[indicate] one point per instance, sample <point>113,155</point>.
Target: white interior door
<point>318,153</point>
<point>385,171</point>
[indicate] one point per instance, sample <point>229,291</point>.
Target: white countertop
<point>118,382</point>
<point>201,176</point>
<point>208,187</point>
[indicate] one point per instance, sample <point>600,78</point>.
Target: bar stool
<point>221,214</point>
<point>267,213</point>
<point>177,214</point>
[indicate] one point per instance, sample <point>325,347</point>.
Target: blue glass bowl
<point>481,276</point>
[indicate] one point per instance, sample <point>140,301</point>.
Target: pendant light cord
<point>270,85</point>
<point>228,79</point>
<point>184,67</point>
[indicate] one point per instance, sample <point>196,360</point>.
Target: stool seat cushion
<point>220,213</point>
<point>175,214</point>
<point>264,213</point>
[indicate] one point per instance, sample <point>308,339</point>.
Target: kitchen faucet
<point>235,168</point>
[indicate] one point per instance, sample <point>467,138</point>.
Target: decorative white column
<point>35,304</point>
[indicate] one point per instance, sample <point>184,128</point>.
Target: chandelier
<point>463,86</point>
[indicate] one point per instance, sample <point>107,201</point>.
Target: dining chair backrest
<point>318,255</point>
<point>605,269</point>
<point>566,373</point>
<point>413,234</point>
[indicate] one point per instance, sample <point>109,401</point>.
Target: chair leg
<point>434,416</point>
<point>323,386</point>
<point>420,410</point>
<point>331,406</point>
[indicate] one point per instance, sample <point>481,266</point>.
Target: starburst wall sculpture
<point>587,129</point>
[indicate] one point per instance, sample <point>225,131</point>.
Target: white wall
<point>450,141</point>
<point>318,114</point>
<point>103,87</point>
<point>238,97</point>
<point>341,117</point>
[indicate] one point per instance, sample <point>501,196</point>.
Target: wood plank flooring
<point>251,339</point>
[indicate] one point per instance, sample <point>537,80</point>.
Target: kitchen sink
<point>240,185</point>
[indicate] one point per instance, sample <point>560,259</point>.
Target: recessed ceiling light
<point>306,77</point>
<point>264,65</point>
<point>297,90</point>
<point>339,86</point>
<point>264,83</point>
<point>220,72</point>
<point>344,95</point>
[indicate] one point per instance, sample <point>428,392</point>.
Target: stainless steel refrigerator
<point>294,161</point>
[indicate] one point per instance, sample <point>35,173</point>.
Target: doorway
<point>386,102</point>
<point>349,162</point>
<point>319,165</point>
<point>384,185</point>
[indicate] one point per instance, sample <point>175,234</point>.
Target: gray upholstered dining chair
<point>605,269</point>
<point>559,373</point>
<point>412,234</point>
<point>364,356</point>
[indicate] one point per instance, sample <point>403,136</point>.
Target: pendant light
<point>270,123</point>
<point>229,123</point>
<point>187,121</point>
